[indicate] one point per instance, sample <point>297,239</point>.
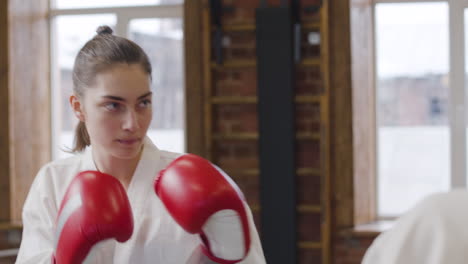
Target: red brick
<point>308,154</point>
<point>241,53</point>
<point>309,226</point>
<point>235,82</point>
<point>241,46</point>
<point>223,76</point>
<point>309,256</point>
<point>308,81</point>
<point>307,118</point>
<point>224,154</point>
<point>236,118</point>
<point>244,11</point>
<point>249,185</point>
<point>308,189</point>
<point>236,76</point>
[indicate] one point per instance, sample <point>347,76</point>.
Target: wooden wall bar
<point>341,125</point>
<point>194,77</point>
<point>4,131</point>
<point>29,86</point>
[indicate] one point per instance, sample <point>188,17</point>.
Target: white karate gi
<point>434,232</point>
<point>156,238</point>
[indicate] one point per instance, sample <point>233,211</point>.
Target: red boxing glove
<point>95,208</point>
<point>203,200</point>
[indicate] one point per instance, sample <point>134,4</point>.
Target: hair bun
<point>101,30</point>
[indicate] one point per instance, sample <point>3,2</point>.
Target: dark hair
<point>97,55</point>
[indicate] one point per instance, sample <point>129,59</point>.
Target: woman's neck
<point>122,169</point>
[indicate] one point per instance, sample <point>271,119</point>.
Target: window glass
<point>412,103</point>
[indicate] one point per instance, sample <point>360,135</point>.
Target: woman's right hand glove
<point>95,207</point>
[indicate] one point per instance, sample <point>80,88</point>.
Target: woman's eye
<point>111,106</point>
<point>145,103</point>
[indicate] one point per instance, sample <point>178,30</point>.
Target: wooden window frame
<point>25,99</point>
<point>353,111</point>
<point>195,77</point>
<point>25,96</point>
<point>4,116</point>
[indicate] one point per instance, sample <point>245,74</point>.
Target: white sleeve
<point>255,255</point>
<point>404,241</point>
<point>433,232</point>
<point>39,213</point>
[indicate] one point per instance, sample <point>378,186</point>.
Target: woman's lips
<point>128,142</point>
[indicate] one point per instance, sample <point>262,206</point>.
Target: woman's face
<point>117,110</point>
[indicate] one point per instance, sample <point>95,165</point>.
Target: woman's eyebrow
<point>117,98</point>
<point>145,95</point>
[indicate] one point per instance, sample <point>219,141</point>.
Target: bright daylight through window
<point>412,89</point>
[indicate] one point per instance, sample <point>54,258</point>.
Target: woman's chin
<point>127,153</point>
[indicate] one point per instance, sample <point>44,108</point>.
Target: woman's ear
<point>77,107</point>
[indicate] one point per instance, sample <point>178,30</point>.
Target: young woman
<point>112,100</point>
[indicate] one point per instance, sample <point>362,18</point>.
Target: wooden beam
<point>194,100</point>
<point>207,79</point>
<point>4,116</point>
<point>29,89</point>
<point>341,113</point>
<point>364,111</point>
<point>326,142</point>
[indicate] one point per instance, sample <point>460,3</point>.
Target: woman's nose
<point>130,122</point>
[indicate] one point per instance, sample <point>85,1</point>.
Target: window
<point>421,72</point>
<point>412,101</point>
<point>67,4</point>
<point>156,25</point>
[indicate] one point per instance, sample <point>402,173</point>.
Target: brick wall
<point>237,150</point>
<point>235,125</point>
